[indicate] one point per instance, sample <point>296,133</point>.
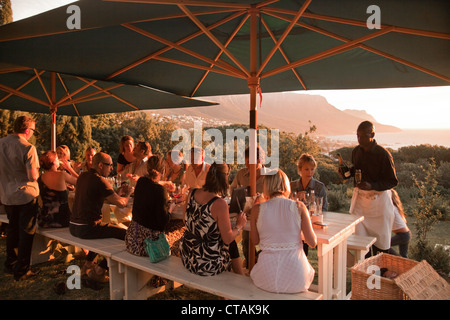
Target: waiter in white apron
<point>372,196</point>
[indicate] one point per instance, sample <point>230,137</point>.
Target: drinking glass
<point>358,176</point>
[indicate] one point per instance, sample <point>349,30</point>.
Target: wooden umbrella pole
<point>53,109</point>
<point>253,83</point>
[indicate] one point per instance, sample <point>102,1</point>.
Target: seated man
<point>91,191</point>
<point>195,174</point>
<point>138,168</point>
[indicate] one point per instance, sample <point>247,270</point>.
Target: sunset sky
<point>407,108</point>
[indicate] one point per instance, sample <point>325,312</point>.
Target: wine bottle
<point>343,168</point>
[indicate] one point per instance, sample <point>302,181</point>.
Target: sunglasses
<point>108,164</point>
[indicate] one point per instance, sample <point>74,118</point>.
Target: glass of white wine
<point>358,176</point>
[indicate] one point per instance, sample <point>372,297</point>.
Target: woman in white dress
<point>277,226</point>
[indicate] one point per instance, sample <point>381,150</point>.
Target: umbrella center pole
<point>53,128</point>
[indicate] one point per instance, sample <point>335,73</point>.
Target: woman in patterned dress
<point>207,246</point>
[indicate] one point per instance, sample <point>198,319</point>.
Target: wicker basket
<point>388,289</point>
<point>423,283</point>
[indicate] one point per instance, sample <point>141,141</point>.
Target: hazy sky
<point>406,108</point>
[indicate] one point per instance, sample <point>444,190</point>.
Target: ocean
<point>407,137</point>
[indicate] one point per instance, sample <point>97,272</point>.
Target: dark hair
<point>260,155</point>
<point>155,166</point>
<point>217,179</point>
<point>366,126</point>
<point>22,123</point>
<point>144,146</point>
<point>47,159</point>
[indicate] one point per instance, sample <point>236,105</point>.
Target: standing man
<point>91,191</point>
<point>372,196</point>
<point>19,189</point>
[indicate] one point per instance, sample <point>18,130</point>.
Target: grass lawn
<point>42,286</point>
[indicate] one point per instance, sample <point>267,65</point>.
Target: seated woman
<point>87,163</point>
<point>126,156</point>
<point>207,246</point>
<point>150,208</point>
<point>277,226</point>
<point>175,167</point>
<point>65,163</point>
<point>306,168</point>
<point>55,210</point>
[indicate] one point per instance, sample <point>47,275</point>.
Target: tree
<point>6,14</point>
<point>426,216</point>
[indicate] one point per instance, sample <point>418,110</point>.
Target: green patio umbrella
<point>207,48</point>
<point>32,90</point>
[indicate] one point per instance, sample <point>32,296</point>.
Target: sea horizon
<point>404,138</point>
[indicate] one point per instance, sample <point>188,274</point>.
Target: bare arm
<point>117,200</point>
<point>219,211</point>
<point>254,234</point>
<point>307,229</point>
<point>70,179</point>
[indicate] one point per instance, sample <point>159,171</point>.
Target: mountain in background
<point>290,112</point>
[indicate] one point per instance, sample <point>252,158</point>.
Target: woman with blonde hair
<point>277,226</point>
<point>63,153</point>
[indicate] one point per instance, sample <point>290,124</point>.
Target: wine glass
<point>358,176</point>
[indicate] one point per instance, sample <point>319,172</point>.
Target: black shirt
<point>150,205</point>
<point>377,167</point>
<point>90,193</point>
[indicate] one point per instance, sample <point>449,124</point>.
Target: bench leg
<point>116,281</point>
<point>136,284</point>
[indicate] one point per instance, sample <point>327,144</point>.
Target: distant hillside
<point>288,112</point>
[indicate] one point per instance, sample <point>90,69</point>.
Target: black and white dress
<point>203,251</point>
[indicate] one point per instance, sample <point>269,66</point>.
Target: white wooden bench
<point>360,245</point>
<point>137,270</point>
<point>129,274</point>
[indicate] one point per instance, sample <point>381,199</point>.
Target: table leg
<point>340,270</point>
<point>325,259</point>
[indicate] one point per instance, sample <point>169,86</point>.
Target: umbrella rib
<point>284,35</point>
<point>159,52</point>
<point>233,34</point>
<point>220,64</point>
<point>83,98</point>
<point>282,52</point>
<point>326,53</point>
<point>23,95</point>
<point>43,87</point>
<point>213,39</point>
<point>357,23</point>
<point>112,95</point>
<point>69,96</point>
<point>365,47</point>
<point>190,3</point>
<point>67,92</point>
<point>22,85</point>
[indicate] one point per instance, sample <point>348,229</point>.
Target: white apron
<point>378,211</point>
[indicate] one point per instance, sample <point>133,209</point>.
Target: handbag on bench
<point>157,250</point>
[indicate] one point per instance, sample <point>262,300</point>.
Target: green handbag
<point>157,250</point>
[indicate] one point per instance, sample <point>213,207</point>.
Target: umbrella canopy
<point>32,90</point>
<point>206,48</point>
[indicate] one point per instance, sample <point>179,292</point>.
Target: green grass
<point>41,287</point>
